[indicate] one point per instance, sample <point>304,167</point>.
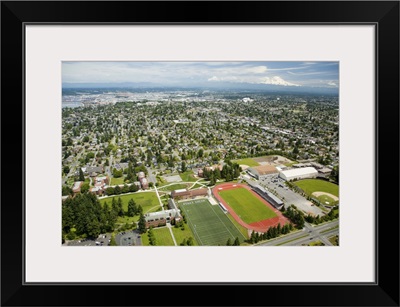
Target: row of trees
<point>272,232</point>
<point>84,216</point>
<point>187,242</point>
<point>333,214</point>
<point>229,172</point>
<point>152,238</point>
<point>117,190</point>
<point>235,243</point>
<point>295,215</point>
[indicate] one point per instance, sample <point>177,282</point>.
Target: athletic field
<point>247,206</point>
<point>209,223</point>
<point>310,186</point>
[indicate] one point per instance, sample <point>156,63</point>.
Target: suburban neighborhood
<point>181,146</point>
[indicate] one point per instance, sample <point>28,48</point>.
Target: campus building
<point>260,172</point>
<point>185,194</point>
<point>299,173</point>
<point>161,218</point>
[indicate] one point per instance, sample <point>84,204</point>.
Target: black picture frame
<point>383,14</point>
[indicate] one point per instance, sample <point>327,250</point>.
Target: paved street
<point>306,235</point>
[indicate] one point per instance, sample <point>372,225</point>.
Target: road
<point>307,235</point>
<point>150,175</point>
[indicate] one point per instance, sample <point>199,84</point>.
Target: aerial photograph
<point>202,153</point>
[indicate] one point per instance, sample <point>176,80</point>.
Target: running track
<point>261,226</point>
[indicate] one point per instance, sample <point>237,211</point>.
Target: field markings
<point>218,235</point>
<point>223,224</point>
<point>235,226</point>
<point>195,232</point>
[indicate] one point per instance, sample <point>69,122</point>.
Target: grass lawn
<point>249,208</point>
<point>187,176</point>
<point>248,161</point>
<point>122,220</point>
<point>172,187</point>
<point>162,235</point>
<point>209,224</point>
<point>196,186</point>
<point>334,240</point>
<point>117,181</point>
<point>148,200</point>
<point>180,234</point>
<point>316,243</point>
<point>310,186</point>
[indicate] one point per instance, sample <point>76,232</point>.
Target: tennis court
<point>209,223</point>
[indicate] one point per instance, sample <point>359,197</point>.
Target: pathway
<point>172,234</point>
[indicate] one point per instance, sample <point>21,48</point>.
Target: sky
<point>289,74</point>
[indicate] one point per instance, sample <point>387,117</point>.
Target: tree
<point>85,187</point>
<point>183,167</point>
<point>66,169</point>
<point>117,190</point>
<point>132,208</point>
<point>190,241</point>
<point>117,173</point>
<point>120,208</point>
<point>110,191</point>
<point>237,242</point>
<point>114,206</point>
<point>133,188</point>
<point>66,190</point>
<point>125,188</point>
<point>229,242</point>
<point>112,241</point>
<point>184,242</point>
<point>142,224</point>
<point>81,176</point>
<point>335,174</point>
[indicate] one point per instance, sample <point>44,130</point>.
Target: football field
<point>246,205</point>
<point>209,223</point>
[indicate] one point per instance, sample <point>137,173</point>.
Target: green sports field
<point>310,186</point>
<point>246,205</point>
<point>247,161</point>
<point>209,223</point>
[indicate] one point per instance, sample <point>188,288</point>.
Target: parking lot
<point>128,238</point>
<point>102,240</point>
<point>289,197</point>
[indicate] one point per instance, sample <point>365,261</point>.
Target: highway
<point>306,235</point>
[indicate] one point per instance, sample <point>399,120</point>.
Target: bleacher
<point>269,197</point>
<point>223,207</point>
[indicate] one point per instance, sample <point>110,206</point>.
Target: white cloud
<point>276,81</point>
<point>257,69</point>
<point>227,78</point>
<point>331,83</point>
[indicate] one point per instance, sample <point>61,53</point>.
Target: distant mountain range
<point>208,86</point>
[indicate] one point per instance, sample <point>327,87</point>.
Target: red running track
<point>261,226</point>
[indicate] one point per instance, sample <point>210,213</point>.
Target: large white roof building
<point>298,173</point>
